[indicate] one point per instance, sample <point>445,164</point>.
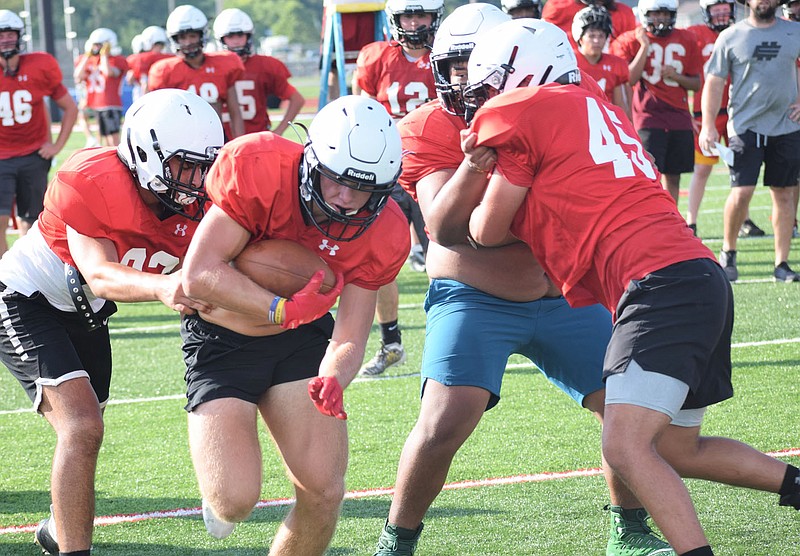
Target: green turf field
<point>145,469</point>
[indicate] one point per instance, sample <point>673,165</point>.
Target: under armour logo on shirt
<point>180,229</point>
<point>766,51</point>
<point>332,249</point>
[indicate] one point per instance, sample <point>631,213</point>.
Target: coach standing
<point>760,55</point>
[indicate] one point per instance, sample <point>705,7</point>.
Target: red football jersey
<point>657,102</point>
<point>24,121</point>
<point>705,42</point>
<point>95,194</point>
<point>358,30</point>
<point>385,73</point>
<point>211,81</point>
<point>255,181</point>
<point>596,216</point>
<point>103,91</point>
<point>610,71</point>
<point>263,76</point>
<point>562,12</point>
<point>142,62</point>
<point>431,142</point>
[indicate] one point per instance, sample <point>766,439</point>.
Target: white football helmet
<point>153,35</point>
<point>183,19</point>
<point>163,125</point>
<point>509,5</point>
<point>455,40</point>
<point>645,7</point>
<point>9,21</point>
<point>592,17</point>
<point>354,142</point>
<point>234,20</point>
<point>422,35</point>
<point>788,11</point>
<point>521,51</point>
<point>720,23</point>
<point>137,44</point>
<point>103,35</point>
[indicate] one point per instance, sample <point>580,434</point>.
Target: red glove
<point>327,395</point>
<point>309,304</point>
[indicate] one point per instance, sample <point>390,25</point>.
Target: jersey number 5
<point>604,144</point>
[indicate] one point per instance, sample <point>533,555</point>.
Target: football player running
<point>26,144</point>
<point>267,355</point>
<point>119,220</point>
<point>669,354</point>
<point>212,75</point>
<point>483,305</point>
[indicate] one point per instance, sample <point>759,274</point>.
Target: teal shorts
<point>470,335</point>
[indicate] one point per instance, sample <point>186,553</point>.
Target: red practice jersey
<point>705,42</point>
<point>358,30</point>
<point>658,102</point>
<point>211,81</point>
<point>596,215</point>
<point>103,91</point>
<point>255,181</point>
<point>610,71</point>
<point>385,73</point>
<point>263,76</point>
<point>431,142</point>
<point>24,123</point>
<point>141,63</point>
<point>562,12</point>
<point>95,194</point>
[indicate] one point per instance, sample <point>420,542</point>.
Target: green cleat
<point>632,536</point>
<point>390,544</point>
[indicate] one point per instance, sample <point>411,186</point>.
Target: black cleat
<point>44,539</point>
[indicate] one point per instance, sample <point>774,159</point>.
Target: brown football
<point>282,266</point>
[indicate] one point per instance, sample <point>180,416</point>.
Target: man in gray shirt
<point>760,56</point>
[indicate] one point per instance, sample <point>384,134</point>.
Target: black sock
<point>76,553</point>
<point>702,551</point>
<point>390,333</point>
<point>791,481</point>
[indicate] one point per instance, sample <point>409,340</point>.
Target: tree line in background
<point>300,20</point>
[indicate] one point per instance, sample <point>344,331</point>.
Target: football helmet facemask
<point>354,142</point>
<point>721,23</point>
<point>788,13</point>
<point>421,36</point>
<point>646,7</point>
<point>234,20</point>
<point>593,17</point>
<point>510,5</point>
<point>9,21</point>
<point>454,41</point>
<point>521,51</point>
<point>165,125</point>
<point>183,19</point>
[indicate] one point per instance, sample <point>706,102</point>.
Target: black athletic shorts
<point>23,177</point>
<point>43,346</point>
<point>221,363</point>
<point>677,321</point>
<point>673,150</point>
<point>780,155</point>
<point>110,120</point>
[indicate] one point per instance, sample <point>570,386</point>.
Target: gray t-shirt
<point>763,71</point>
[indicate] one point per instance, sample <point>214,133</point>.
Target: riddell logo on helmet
<point>359,175</point>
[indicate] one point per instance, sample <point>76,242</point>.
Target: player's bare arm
<point>491,220</point>
<point>237,121</point>
<point>70,114</point>
<point>711,101</point>
<point>96,259</point>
